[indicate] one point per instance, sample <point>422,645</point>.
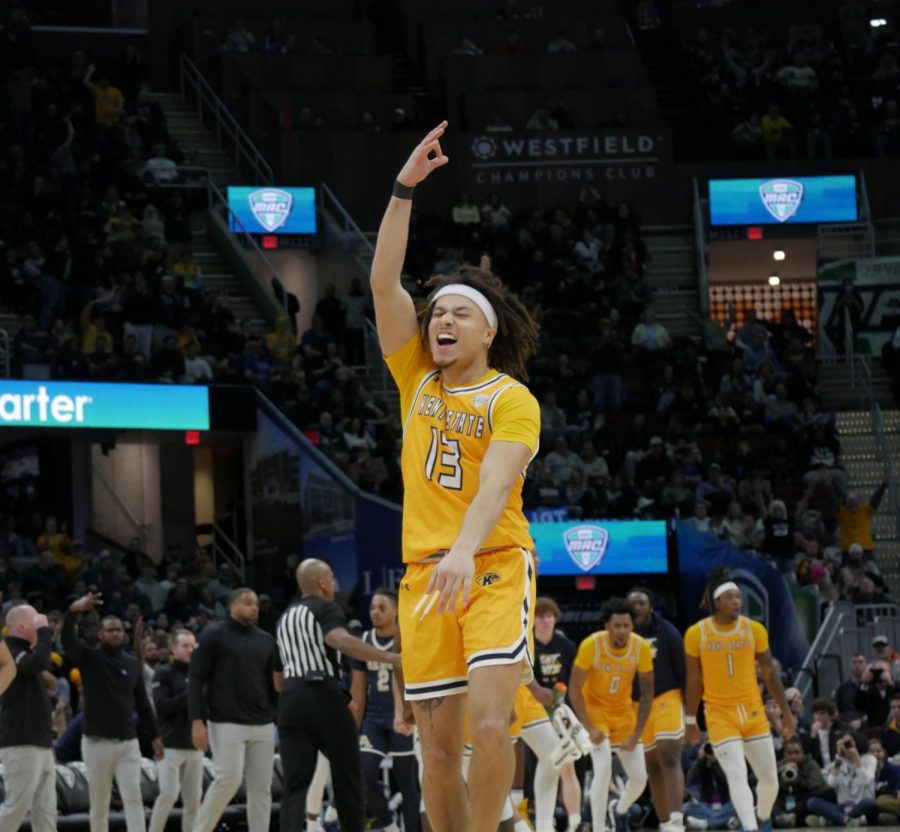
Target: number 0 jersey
<point>611,672</point>
<point>446,433</point>
<point>728,659</point>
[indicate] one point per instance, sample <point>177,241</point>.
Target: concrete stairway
<point>866,468</point>
<point>672,272</point>
<point>839,392</point>
<point>201,147</point>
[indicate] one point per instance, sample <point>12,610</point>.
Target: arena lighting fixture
<point>778,254</point>
<point>774,280</point>
<point>877,22</point>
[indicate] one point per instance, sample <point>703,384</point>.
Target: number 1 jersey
<point>446,433</point>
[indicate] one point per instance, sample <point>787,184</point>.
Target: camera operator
<point>852,776</point>
<point>874,695</point>
<point>706,782</point>
<point>800,778</point>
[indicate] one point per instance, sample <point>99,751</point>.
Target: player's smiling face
<point>458,332</point>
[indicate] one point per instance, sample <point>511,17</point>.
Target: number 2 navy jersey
<point>380,675</point>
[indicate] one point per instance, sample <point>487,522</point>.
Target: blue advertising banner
<point>766,598</point>
<point>272,210</point>
<point>802,199</point>
<point>601,547</point>
<point>64,404</point>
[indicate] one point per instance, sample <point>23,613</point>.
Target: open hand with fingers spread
<point>424,159</point>
<point>87,602</point>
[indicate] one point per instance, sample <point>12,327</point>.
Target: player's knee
<point>490,732</point>
<point>669,756</point>
<point>440,764</point>
<point>654,764</point>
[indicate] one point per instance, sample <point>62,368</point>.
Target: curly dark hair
<point>615,606</point>
<point>517,332</point>
<point>716,579</point>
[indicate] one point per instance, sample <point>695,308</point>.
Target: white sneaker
<point>733,823</point>
<point>690,822</point>
<point>816,820</point>
<point>860,821</point>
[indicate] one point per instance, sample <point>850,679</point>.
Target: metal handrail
<point>216,200</point>
<point>328,201</point>
<point>229,552</point>
<point>226,125</point>
<point>700,251</point>
<point>141,529</point>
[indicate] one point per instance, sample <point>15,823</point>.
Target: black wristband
<point>402,191</point>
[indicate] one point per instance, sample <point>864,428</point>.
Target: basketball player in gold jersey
<point>600,688</point>
<point>721,656</point>
<point>470,429</point>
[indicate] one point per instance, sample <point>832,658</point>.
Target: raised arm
<point>71,643</point>
<point>395,313</point>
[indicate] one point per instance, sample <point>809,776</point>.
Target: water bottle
<point>559,696</point>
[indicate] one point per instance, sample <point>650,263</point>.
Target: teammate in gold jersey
<point>721,654</point>
<point>600,689</point>
<point>470,429</point>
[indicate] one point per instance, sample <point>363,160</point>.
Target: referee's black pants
<point>313,717</point>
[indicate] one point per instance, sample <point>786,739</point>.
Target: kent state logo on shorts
<point>487,579</point>
<point>586,545</point>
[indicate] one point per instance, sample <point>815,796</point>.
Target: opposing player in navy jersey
<point>372,704</point>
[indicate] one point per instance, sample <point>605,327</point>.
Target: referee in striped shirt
<point>313,709</point>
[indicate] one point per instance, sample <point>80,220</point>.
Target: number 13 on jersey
<point>444,459</point>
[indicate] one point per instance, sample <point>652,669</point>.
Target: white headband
<point>723,588</point>
<point>473,295</point>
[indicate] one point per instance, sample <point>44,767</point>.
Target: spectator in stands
<point>890,734</point>
<point>855,520</point>
<point>465,213</point>
<point>845,694</point>
<point>47,578</point>
<point>700,519</point>
<point>874,696</point>
<point>885,653</point>
<point>706,782</point>
<point>561,44</point>
<point>798,77</point>
<point>239,39</point>
<point>159,168</point>
<point>852,776</point>
<point>168,363</point>
<point>747,138</point>
<point>561,462</point>
<point>495,214</point>
<point>716,490</point>
<point>825,730</point>
<point>885,807</point>
<point>108,100</point>
<point>196,367</point>
<point>355,306</point>
<point>778,134</point>
<point>540,119</point>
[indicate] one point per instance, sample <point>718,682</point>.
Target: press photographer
<point>706,783</point>
<point>874,695</point>
<point>800,778</point>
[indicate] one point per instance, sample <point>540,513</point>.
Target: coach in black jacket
<point>113,690</point>
<point>181,770</point>
<point>26,731</point>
